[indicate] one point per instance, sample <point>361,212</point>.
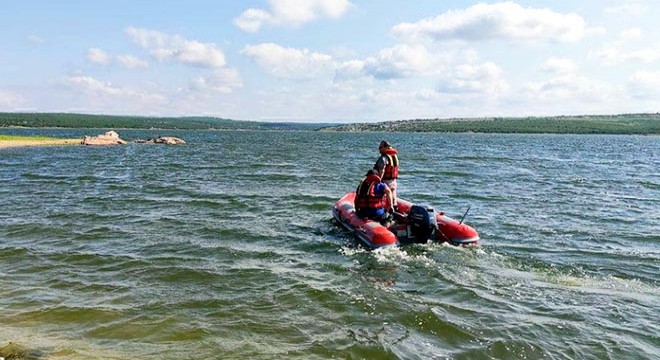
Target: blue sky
<point>330,60</point>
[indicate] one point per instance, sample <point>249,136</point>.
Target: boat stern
<point>455,232</point>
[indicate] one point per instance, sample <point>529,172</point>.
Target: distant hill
<point>66,120</point>
<point>586,124</point>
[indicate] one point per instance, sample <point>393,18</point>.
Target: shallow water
<point>225,248</point>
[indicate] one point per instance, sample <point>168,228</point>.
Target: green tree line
<point>585,124</point>
<point>588,124</point>
<point>66,120</point>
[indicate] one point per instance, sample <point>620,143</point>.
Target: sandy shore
<point>15,143</point>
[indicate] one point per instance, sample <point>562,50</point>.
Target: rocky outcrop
<point>112,138</point>
<point>170,140</point>
<point>109,138</point>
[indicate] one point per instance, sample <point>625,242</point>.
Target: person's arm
<point>390,199</point>
<point>380,166</point>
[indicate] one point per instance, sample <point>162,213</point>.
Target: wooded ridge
<point>585,124</point>
<point>582,124</point>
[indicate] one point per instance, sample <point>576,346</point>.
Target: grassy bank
<point>13,141</point>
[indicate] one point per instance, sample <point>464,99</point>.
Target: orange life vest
<point>365,197</point>
<point>392,166</point>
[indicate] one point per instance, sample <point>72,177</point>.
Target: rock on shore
<point>170,140</point>
<point>112,138</point>
<point>109,138</point>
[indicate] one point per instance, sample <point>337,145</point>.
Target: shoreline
<point>615,124</point>
<point>41,142</point>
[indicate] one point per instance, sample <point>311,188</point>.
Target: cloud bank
<point>164,46</point>
<point>504,21</point>
<point>285,62</point>
<point>291,13</point>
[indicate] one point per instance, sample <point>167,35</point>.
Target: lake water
<point>226,248</point>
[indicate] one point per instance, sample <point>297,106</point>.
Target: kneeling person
<point>372,197</point>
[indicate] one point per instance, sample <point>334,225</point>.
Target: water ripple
<point>226,248</point>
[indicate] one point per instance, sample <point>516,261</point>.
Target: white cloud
<point>612,55</point>
<point>644,84</point>
<point>350,70</point>
<point>570,88</point>
<point>223,80</point>
<point>505,20</point>
<point>558,65</point>
<point>291,13</point>
<point>485,78</point>
<point>97,87</point>
<point>35,39</point>
<point>10,100</point>
<point>131,62</point>
<point>92,84</point>
<point>632,33</point>
<point>404,61</point>
<point>252,19</point>
<point>174,47</point>
<point>402,75</point>
<point>631,8</point>
<point>288,62</point>
<point>377,96</point>
<point>400,61</point>
<point>427,95</point>
<point>98,56</point>
<point>456,72</point>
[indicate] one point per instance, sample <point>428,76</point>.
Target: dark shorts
<point>382,218</point>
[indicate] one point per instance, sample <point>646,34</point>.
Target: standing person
<point>387,166</point>
<point>372,197</point>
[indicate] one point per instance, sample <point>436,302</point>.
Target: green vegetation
<point>15,140</point>
<point>588,124</point>
<point>65,120</point>
<point>4,137</point>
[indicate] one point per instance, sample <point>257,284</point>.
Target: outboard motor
<point>421,220</point>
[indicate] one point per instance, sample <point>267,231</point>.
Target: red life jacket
<point>392,166</point>
<point>365,198</point>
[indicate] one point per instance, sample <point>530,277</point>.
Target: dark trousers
<point>366,214</point>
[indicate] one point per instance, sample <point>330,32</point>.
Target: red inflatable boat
<point>411,224</point>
